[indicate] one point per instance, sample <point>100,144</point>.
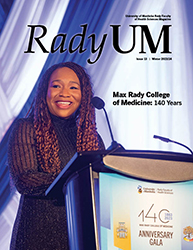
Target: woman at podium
<point>61,121</point>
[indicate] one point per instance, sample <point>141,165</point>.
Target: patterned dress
<point>41,221</point>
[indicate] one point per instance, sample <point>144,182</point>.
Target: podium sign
<point>136,214</point>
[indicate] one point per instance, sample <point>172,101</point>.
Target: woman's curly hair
<point>47,142</point>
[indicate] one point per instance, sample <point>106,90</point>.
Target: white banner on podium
<point>135,214</point>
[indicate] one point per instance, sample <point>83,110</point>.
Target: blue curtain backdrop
<point>133,128</point>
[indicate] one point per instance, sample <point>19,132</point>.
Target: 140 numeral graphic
<point>163,215</point>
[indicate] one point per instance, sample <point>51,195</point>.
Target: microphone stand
<point>99,104</point>
<point>168,140</point>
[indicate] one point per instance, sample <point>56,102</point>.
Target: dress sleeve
<point>22,160</point>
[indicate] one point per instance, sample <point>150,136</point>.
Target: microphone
<point>98,103</point>
<point>168,140</point>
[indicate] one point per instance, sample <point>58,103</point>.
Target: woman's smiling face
<point>64,93</point>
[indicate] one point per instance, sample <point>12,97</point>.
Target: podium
<point>124,200</point>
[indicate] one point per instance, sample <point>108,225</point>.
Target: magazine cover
<point>139,58</point>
